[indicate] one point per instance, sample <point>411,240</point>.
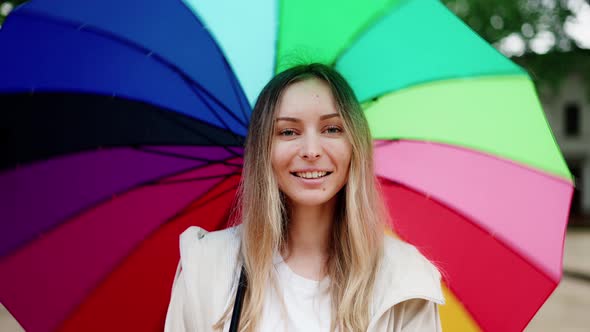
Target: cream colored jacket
<point>406,296</point>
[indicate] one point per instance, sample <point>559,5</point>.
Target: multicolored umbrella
<point>123,124</point>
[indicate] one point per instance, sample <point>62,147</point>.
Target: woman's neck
<point>308,242</point>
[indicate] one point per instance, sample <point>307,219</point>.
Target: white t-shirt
<point>296,303</point>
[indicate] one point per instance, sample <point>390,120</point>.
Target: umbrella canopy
<point>126,122</point>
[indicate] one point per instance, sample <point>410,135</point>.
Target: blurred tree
<point>533,33</point>
<point>497,19</point>
<point>7,6</point>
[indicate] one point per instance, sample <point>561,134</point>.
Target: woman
<point>311,237</point>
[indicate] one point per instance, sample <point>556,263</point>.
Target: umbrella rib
<point>382,143</point>
<point>133,250</point>
<point>206,102</point>
<point>100,201</point>
<point>92,29</point>
<point>235,86</point>
<point>228,69</point>
<point>439,80</point>
<point>207,138</point>
<point>474,224</point>
<point>474,149</point>
<point>185,157</point>
<point>483,230</point>
<point>207,177</point>
<point>365,27</point>
<point>191,208</point>
<point>194,84</point>
<point>177,215</point>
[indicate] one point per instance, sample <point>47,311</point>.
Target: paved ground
<point>567,310</point>
<point>7,323</point>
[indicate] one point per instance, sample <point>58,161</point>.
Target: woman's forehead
<point>306,98</point>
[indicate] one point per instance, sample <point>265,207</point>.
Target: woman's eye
<point>333,130</point>
<point>287,132</point>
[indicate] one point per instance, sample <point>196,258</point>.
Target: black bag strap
<point>235,317</point>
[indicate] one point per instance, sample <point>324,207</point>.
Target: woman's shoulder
<point>199,247</point>
<point>206,276</point>
<point>405,274</point>
<point>197,236</point>
<point>401,256</point>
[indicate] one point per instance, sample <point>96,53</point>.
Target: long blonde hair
<point>357,237</point>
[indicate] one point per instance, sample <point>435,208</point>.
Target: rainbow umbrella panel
<point>123,124</point>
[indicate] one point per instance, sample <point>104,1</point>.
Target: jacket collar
<point>404,274</point>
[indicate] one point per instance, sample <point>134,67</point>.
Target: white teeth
<point>311,175</point>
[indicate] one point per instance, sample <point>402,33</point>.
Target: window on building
<point>576,204</point>
<point>572,119</point>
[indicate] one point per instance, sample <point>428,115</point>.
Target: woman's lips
<point>311,174</point>
<point>311,181</point>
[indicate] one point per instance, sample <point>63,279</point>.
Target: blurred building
<point>568,112</point>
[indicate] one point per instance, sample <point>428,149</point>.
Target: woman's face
<point>310,151</point>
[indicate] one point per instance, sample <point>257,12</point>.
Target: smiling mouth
<point>311,175</point>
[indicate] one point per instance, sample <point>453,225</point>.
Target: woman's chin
<point>311,199</point>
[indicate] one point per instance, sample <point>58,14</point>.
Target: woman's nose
<point>311,148</point>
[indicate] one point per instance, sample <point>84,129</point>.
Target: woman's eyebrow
<point>286,118</point>
<point>328,116</point>
<point>323,117</point>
